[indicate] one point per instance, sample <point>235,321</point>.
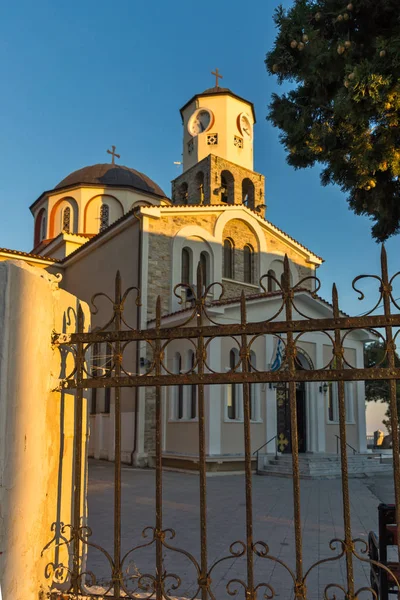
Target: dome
<point>111,175</point>
<point>217,90</point>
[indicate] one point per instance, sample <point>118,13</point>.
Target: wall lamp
<point>323,388</point>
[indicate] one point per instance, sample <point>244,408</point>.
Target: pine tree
<point>343,111</point>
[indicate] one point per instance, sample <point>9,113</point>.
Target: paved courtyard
<point>273,524</point>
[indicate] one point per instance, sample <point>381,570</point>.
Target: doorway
<point>283,418</point>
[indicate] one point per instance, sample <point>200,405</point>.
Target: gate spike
<point>243,308</point>
<point>199,280</point>
<point>384,266</point>
<point>118,287</point>
<point>158,312</point>
<point>286,273</point>
<point>80,317</point>
<point>335,301</point>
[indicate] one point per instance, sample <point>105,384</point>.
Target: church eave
<point>30,255</point>
<point>221,93</point>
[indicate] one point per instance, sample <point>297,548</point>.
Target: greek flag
<point>277,357</point>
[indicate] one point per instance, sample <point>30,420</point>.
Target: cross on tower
<point>113,154</point>
<point>217,76</point>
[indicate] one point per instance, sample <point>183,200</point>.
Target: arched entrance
<point>283,411</point>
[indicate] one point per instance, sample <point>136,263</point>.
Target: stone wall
<point>160,247</point>
<point>211,168</point>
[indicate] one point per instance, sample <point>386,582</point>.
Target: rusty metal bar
<point>348,543</point>
<point>386,289</point>
<point>245,358</point>
<point>232,329</point>
<point>117,575</point>
<point>291,364</point>
<point>220,378</point>
<point>201,355</point>
<point>159,514</point>
<point>80,357</point>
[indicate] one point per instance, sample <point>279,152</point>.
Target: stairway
<point>322,466</point>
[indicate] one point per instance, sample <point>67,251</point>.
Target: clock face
<point>245,126</point>
<point>200,121</point>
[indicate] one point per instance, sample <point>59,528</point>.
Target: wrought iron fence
<point>200,328</point>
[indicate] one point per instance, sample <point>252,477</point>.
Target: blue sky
<point>80,76</point>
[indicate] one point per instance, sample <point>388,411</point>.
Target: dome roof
<point>217,90</point>
<point>111,175</point>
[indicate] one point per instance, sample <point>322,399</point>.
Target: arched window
<point>248,259</point>
<point>104,216</point>
<point>271,285</point>
<point>186,264</point>
<point>200,187</point>
<point>39,227</point>
<point>248,193</point>
<point>43,228</point>
<point>205,268</point>
<point>179,403</point>
<point>183,193</point>
<point>227,188</point>
<point>193,389</point>
<point>66,220</point>
<point>229,266</point>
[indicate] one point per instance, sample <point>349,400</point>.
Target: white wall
<point>36,427</point>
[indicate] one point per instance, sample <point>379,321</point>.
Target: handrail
<point>347,444</point>
<point>263,446</point>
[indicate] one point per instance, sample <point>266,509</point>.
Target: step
<point>325,466</point>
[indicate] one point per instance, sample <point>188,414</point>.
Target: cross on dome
<point>113,154</point>
<point>217,76</point>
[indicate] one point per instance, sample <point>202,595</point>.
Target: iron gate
<point>201,329</point>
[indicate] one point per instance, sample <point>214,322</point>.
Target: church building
<point>109,217</point>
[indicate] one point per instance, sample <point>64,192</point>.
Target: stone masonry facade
<point>203,184</point>
<point>161,234</point>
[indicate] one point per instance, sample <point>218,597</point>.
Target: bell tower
<point>218,151</point>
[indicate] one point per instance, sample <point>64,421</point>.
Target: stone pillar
<point>36,429</point>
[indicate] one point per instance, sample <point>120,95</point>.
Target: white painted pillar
<point>320,399</point>
<point>36,429</point>
<point>268,396</point>
<point>215,413</point>
<point>360,409</point>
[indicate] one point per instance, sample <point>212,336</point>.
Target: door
<point>283,418</point>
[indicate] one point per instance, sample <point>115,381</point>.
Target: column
<point>214,397</point>
<point>359,408</point>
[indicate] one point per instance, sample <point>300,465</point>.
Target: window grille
<point>104,216</point>
<point>66,220</point>
<point>212,140</point>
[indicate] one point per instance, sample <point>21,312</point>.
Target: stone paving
<point>322,521</point>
